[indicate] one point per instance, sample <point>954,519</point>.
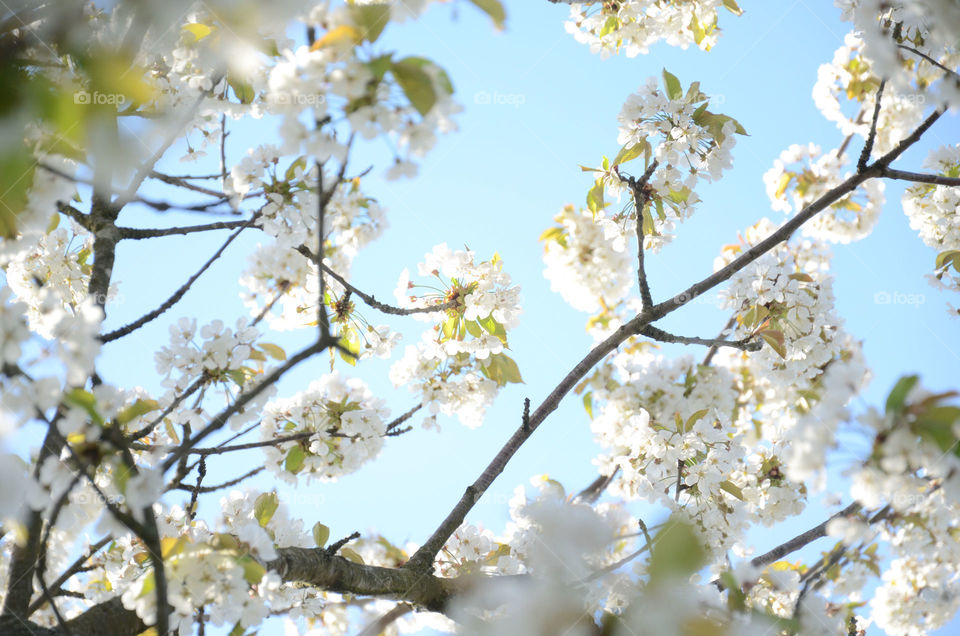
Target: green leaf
<point>502,369</point>
<point>595,197</point>
<point>350,555</point>
<point>552,234</point>
<point>274,351</point>
<point>776,340</point>
<point>138,408</point>
<point>950,256</point>
<point>733,7</point>
<point>16,178</point>
<point>611,25</point>
<point>937,424</point>
<point>449,327</point>
<point>672,85</point>
<point>627,154</point>
<point>320,534</point>
<point>197,30</point>
<point>86,401</point>
<point>694,418</point>
<point>898,395</point>
<point>300,162</point>
<point>415,82</point>
<point>264,506</point>
<point>732,488</point>
<point>293,462</point>
<point>371,18</point>
<point>243,90</point>
<point>253,571</point>
<point>588,403</point>
<point>736,599</point>
<point>676,552</point>
<point>493,328</point>
<point>473,327</point>
<point>494,9</point>
<point>380,65</point>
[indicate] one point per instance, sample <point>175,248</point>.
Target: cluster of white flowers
<point>446,384</point>
<point>221,572</point>
<point>51,276</point>
<point>635,25</point>
<point>927,25</point>
<point>914,470</point>
<point>786,298</point>
<point>332,74</point>
<point>849,219</point>
<point>221,351</point>
<point>682,138</point>
<point>932,209</point>
<point>344,426</point>
<point>280,274</point>
<point>663,414</point>
<point>587,265</point>
<point>459,363</point>
<point>480,290</point>
<point>851,74</point>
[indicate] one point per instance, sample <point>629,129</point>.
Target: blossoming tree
<point>103,527</point>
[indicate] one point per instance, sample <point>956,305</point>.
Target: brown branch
<point>707,359</point>
<point>802,539</point>
<point>949,71</point>
<point>917,177</point>
<point>137,233</point>
<point>227,484</point>
<point>746,344</point>
<point>872,135</point>
<point>641,197</point>
<point>177,295</point>
<point>876,169</point>
<point>221,418</point>
<point>422,560</point>
<point>75,568</point>
<point>369,299</point>
<point>381,624</point>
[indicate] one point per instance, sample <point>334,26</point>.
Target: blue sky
<point>496,184</point>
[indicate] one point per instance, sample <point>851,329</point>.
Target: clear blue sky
<point>496,184</point>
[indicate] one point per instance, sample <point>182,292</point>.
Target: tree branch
<point>746,344</point>
<point>917,177</point>
<point>369,299</point>
<point>422,560</point>
<point>137,233</point>
<point>177,295</point>
<point>802,539</point>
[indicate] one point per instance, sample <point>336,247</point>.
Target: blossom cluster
<point>852,76</point>
<point>635,25</point>
<point>893,32</point>
<point>459,364</point>
<point>806,175</point>
<point>341,427</point>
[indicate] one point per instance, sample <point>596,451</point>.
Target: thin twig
<point>802,539</point>
<point>950,71</point>
<point>177,295</point>
<point>369,299</point>
<point>381,624</point>
<point>138,233</point>
<point>641,197</point>
<point>917,177</point>
<point>871,137</point>
<point>746,344</point>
